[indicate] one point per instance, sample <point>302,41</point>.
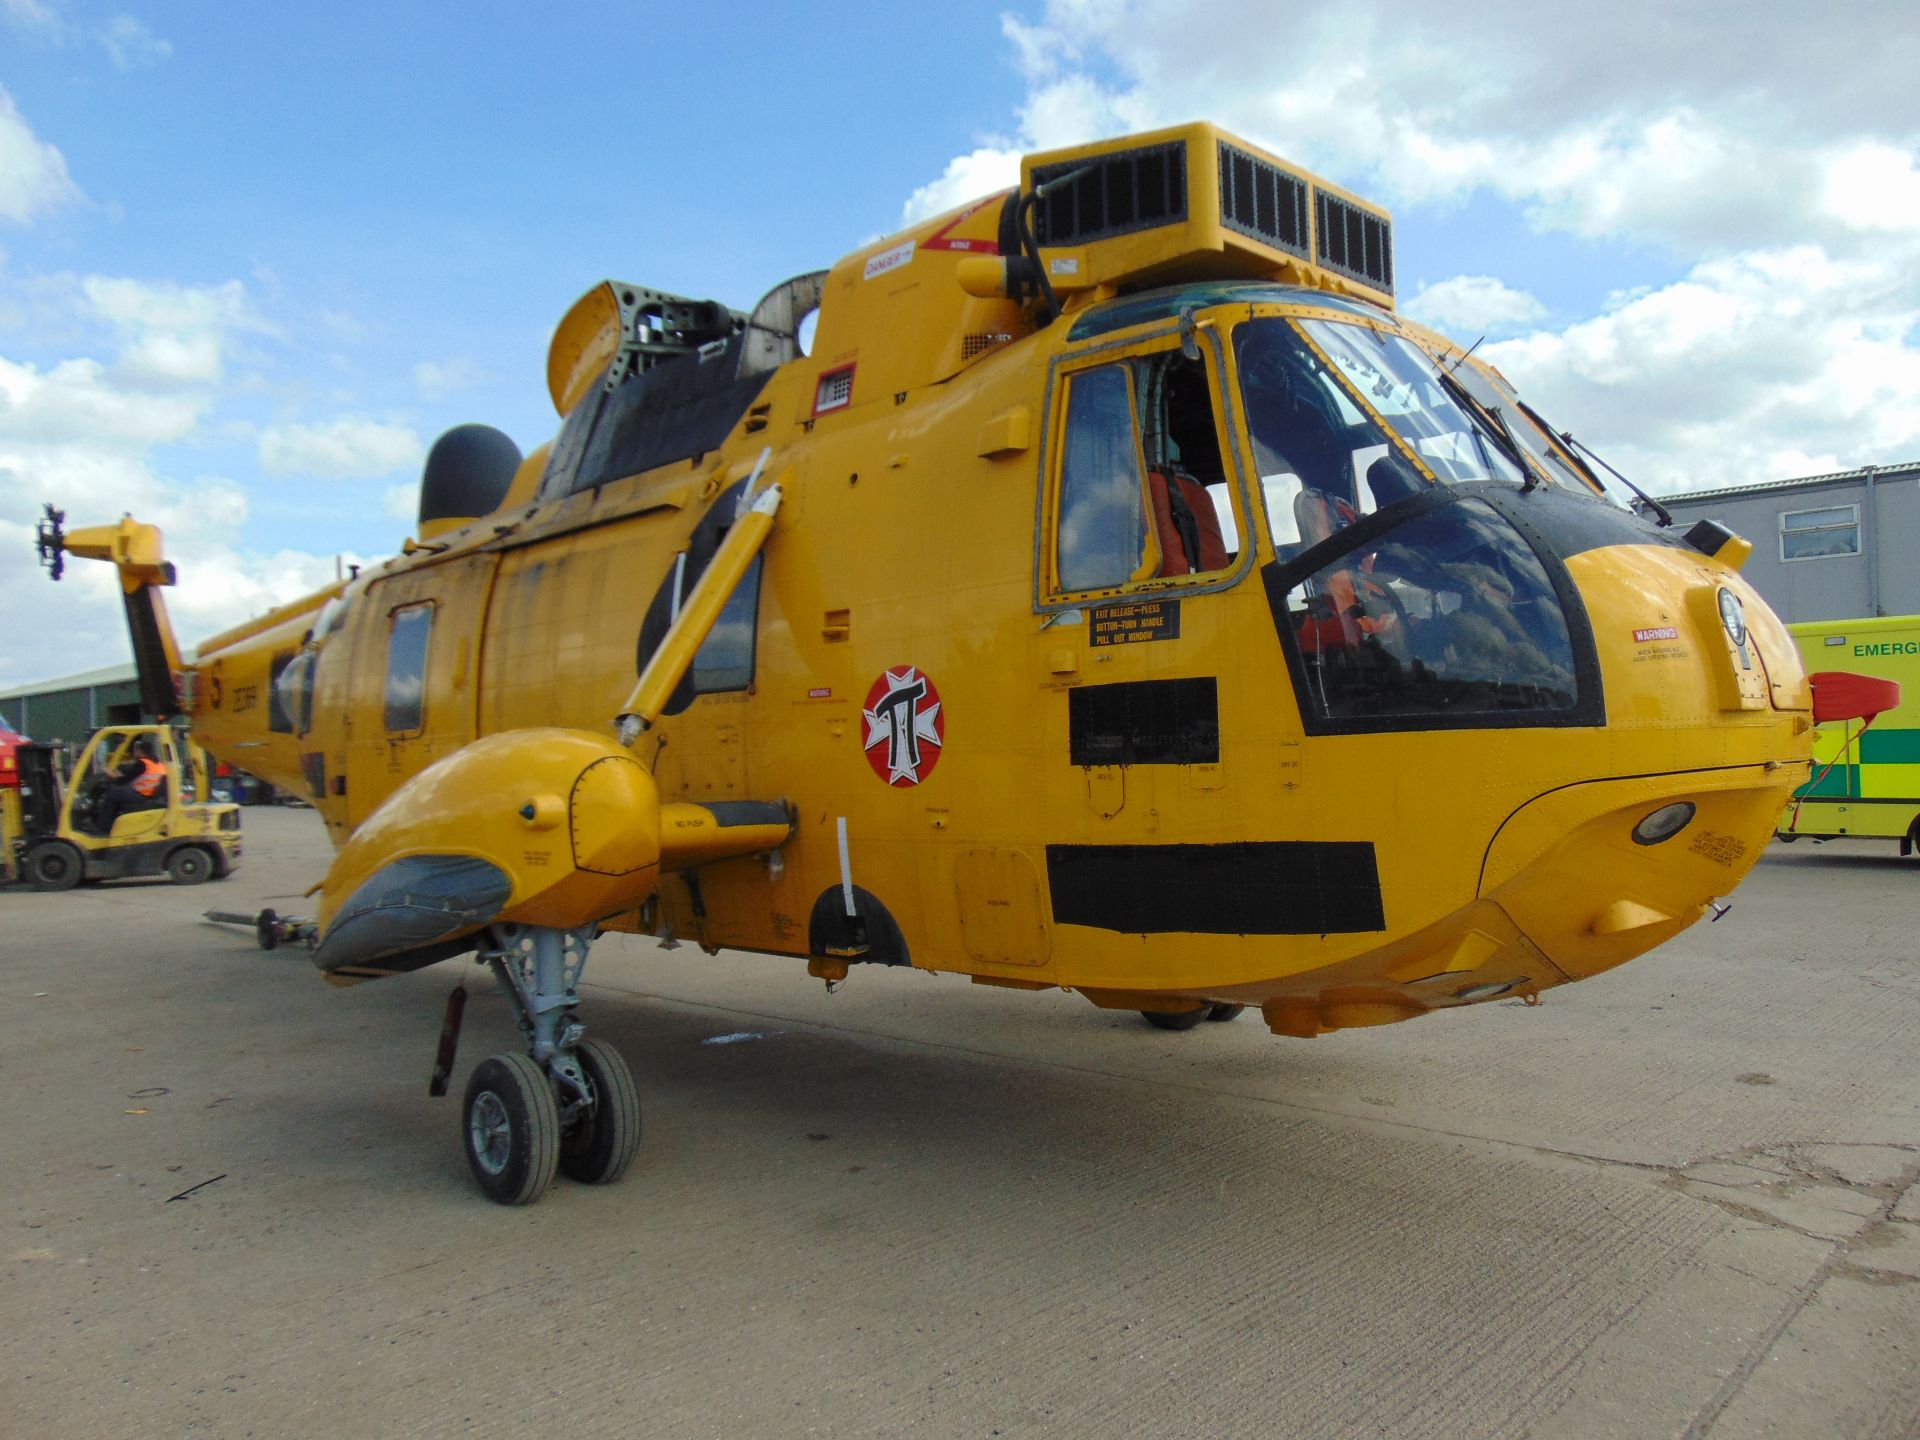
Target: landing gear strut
<point>570,1103</point>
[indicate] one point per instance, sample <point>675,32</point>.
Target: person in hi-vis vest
<point>140,784</point>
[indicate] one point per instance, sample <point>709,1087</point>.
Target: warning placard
<point>1133,623</point>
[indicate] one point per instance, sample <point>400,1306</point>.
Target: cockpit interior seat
<point>1187,524</point>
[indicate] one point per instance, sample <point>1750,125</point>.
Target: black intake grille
<point>1355,242</point>
<point>1262,201</point>
<point>1145,722</point>
<point>1118,194</point>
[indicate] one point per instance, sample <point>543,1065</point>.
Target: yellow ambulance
<point>1866,780</point>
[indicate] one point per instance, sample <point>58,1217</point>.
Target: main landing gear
<point>570,1103</point>
<point>1187,1019</point>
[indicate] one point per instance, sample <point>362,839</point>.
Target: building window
<point>1820,534</point>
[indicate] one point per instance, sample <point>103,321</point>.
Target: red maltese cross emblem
<point>905,727</point>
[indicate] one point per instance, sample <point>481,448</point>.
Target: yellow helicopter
<point>1117,595</point>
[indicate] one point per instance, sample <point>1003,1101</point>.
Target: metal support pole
<point>1870,542</point>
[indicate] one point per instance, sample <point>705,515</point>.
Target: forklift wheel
<point>54,865</point>
<point>189,865</point>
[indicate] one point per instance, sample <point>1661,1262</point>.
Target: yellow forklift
<point>53,835</point>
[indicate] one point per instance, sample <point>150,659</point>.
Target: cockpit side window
<point>1144,490</point>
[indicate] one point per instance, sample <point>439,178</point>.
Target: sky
<point>254,258</point>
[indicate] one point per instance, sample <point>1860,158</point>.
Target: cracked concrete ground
<point>1675,1200</point>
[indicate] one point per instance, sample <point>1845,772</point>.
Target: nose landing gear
<point>570,1103</point>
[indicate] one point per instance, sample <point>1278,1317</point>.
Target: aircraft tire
<point>511,1129</point>
<point>54,865</point>
<point>1218,1013</point>
<point>598,1150</point>
<point>1183,1020</point>
<point>189,865</point>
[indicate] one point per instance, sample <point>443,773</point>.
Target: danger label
<point>891,259</point>
<point>1657,632</point>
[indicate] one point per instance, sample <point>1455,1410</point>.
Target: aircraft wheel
<point>512,1129</point>
<point>189,865</point>
<point>1224,1012</point>
<point>602,1144</point>
<point>54,865</point>
<point>1183,1020</point>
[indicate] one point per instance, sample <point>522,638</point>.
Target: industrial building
<point>1826,547</point>
<point>68,710</point>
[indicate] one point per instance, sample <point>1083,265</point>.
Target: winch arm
<point>135,551</point>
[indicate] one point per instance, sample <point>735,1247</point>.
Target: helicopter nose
<point>1594,874</point>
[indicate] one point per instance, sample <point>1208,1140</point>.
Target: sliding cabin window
<point>1142,490</point>
<point>412,627</point>
<point>1101,533</point>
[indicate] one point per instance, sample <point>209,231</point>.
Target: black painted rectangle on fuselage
<point>1273,887</point>
<point>1148,722</point>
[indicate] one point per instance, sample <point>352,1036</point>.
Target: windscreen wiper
<point>1514,450</point>
<point>1566,438</point>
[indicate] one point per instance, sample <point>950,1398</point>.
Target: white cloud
<point>30,15</point>
<point>967,177</point>
<point>86,432</point>
<point>349,448</point>
<point>1758,367</point>
<point>33,174</point>
<point>80,400</point>
<point>400,502</point>
<point>1776,157</point>
<point>130,44</point>
<point>1641,118</point>
<point>437,379</point>
<point>133,305</point>
<point>1470,305</point>
<point>172,336</point>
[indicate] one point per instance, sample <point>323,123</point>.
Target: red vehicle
<point>10,739</point>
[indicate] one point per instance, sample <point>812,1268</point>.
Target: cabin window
<point>1102,532</point>
<point>1448,616</point>
<point>1186,467</point>
<point>407,669</point>
<point>1820,534</point>
<point>725,660</point>
<point>279,716</point>
<point>293,692</point>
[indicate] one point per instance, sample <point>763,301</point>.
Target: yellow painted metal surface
<point>915,653</point>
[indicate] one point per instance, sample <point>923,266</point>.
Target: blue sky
<point>254,258</point>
